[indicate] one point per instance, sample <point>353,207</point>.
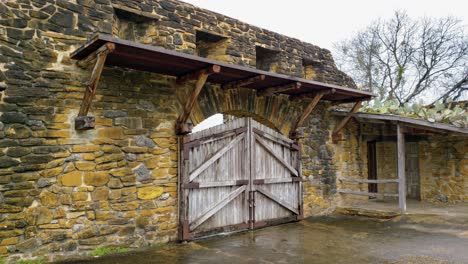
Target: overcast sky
<point>324,22</point>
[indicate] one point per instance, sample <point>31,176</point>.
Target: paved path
<point>318,240</point>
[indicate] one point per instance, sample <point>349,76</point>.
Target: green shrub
<point>102,251</point>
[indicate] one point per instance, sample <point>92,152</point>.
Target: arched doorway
<point>235,176</point>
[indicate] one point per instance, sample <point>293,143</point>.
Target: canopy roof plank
<point>133,55</point>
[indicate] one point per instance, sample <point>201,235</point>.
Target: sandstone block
<point>85,165</point>
<point>71,179</point>
<point>150,192</point>
<point>111,132</point>
<point>96,178</point>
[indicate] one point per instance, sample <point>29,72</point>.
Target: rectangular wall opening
<point>212,46</point>
<point>266,59</point>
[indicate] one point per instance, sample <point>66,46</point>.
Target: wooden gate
<point>236,176</point>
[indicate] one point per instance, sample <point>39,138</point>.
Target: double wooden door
<point>236,176</point>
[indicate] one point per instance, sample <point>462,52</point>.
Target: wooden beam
<point>401,168</point>
<point>336,136</point>
<point>306,113</point>
<point>352,100</point>
<point>196,74</point>
<point>83,121</point>
<point>368,181</point>
<point>202,75</point>
<point>369,194</point>
<point>243,82</point>
<point>279,89</point>
<point>90,60</point>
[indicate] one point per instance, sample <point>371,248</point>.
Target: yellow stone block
<point>160,173</point>
<point>10,241</point>
<point>52,172</point>
<point>111,149</point>
<point>121,172</point>
<point>89,156</point>
<point>150,192</point>
<point>96,178</point>
<point>85,165</point>
<point>71,179</point>
<point>85,148</point>
<point>111,132</point>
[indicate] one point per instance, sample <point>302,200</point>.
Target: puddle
<point>316,240</point>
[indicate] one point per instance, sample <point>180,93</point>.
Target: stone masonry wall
<point>64,191</point>
<point>444,169</point>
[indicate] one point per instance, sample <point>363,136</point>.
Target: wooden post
<point>181,126</point>
<point>83,121</point>
<point>401,168</point>
<point>336,136</point>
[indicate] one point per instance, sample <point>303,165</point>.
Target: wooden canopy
<point>412,125</point>
<point>111,51</point>
<point>149,58</point>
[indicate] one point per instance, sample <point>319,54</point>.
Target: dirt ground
<point>332,239</point>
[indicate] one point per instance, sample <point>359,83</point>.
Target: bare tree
<point>406,59</point>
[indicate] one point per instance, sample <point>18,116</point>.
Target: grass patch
<point>102,251</point>
<point>30,261</point>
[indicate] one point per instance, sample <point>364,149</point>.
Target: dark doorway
<point>372,166</point>
<point>412,171</point>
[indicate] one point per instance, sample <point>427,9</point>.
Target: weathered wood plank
<point>368,181</point>
<point>215,157</point>
<point>274,154</point>
<point>367,193</point>
<point>401,158</point>
<point>277,200</point>
<point>215,208</point>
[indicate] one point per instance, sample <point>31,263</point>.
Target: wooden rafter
<point>100,55</point>
<point>307,112</point>
<point>336,136</point>
<point>201,76</point>
<point>279,89</point>
<point>243,82</point>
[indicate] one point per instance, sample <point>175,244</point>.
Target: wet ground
<point>336,239</point>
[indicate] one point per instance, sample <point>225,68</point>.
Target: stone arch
<point>277,112</point>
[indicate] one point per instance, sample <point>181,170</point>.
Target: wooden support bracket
<point>336,136</point>
<point>279,89</point>
<point>243,82</point>
<point>83,121</point>
<point>182,127</point>
<point>294,133</point>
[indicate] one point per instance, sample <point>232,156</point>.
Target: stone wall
<point>64,191</point>
<point>444,169</point>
